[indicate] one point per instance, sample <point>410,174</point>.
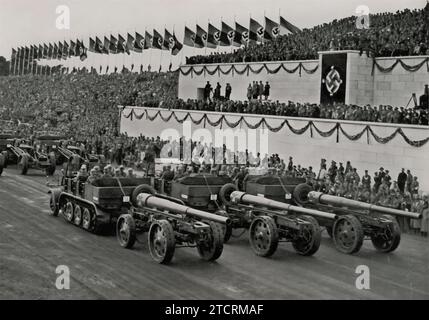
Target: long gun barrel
<point>242,197</point>
<point>325,199</point>
<point>149,200</point>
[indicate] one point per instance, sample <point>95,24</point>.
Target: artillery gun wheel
<point>300,193</point>
<point>348,234</point>
<point>309,241</point>
<point>144,188</point>
<point>77,219</point>
<point>162,241</point>
<point>23,165</point>
<point>263,236</point>
<point>53,206</point>
<point>226,229</point>
<point>390,239</point>
<point>126,231</point>
<point>69,211</point>
<point>212,249</point>
<point>86,219</point>
<point>225,193</point>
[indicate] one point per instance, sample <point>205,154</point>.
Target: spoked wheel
<point>162,241</point>
<point>348,234</point>
<point>389,238</point>
<point>126,231</point>
<point>227,228</point>
<point>211,248</point>
<point>53,206</point>
<point>86,219</point>
<point>309,241</point>
<point>69,211</point>
<point>77,220</point>
<point>263,236</point>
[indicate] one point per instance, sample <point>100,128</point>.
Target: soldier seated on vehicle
<point>82,174</point>
<point>130,173</point>
<point>92,176</point>
<point>107,172</point>
<point>122,173</point>
<point>97,172</point>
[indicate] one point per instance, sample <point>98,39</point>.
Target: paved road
<point>33,244</point>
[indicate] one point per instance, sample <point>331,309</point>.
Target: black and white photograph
<point>229,152</point>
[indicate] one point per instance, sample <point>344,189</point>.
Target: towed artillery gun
<point>170,224</point>
<point>131,203</point>
<point>358,221</point>
<point>270,222</point>
<point>355,222</point>
<point>27,157</point>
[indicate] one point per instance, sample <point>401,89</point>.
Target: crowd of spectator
<point>381,114</point>
<point>404,33</point>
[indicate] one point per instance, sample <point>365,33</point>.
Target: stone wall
<point>396,87</point>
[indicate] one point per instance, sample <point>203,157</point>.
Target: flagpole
<point>183,49</point>
<point>10,63</point>
<point>28,59</point>
<point>171,49</point>
<point>23,61</point>
<point>14,64</point>
<point>150,53</point>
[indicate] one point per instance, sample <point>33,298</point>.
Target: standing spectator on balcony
<point>228,90</point>
<point>409,180</point>
<point>216,95</point>
<point>255,89</point>
<point>207,91</point>
<point>261,90</point>
<point>249,92</point>
<point>402,180</point>
<point>267,90</point>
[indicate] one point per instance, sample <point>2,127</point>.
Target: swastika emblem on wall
<point>333,81</point>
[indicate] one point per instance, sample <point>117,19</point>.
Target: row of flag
<point>211,37</point>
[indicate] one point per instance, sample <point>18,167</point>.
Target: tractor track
<point>33,244</point>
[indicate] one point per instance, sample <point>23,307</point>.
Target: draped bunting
<point>199,70</point>
<point>337,128</point>
<point>407,67</point>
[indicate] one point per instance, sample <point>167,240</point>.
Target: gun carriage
<point>355,222</point>
<point>170,224</point>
